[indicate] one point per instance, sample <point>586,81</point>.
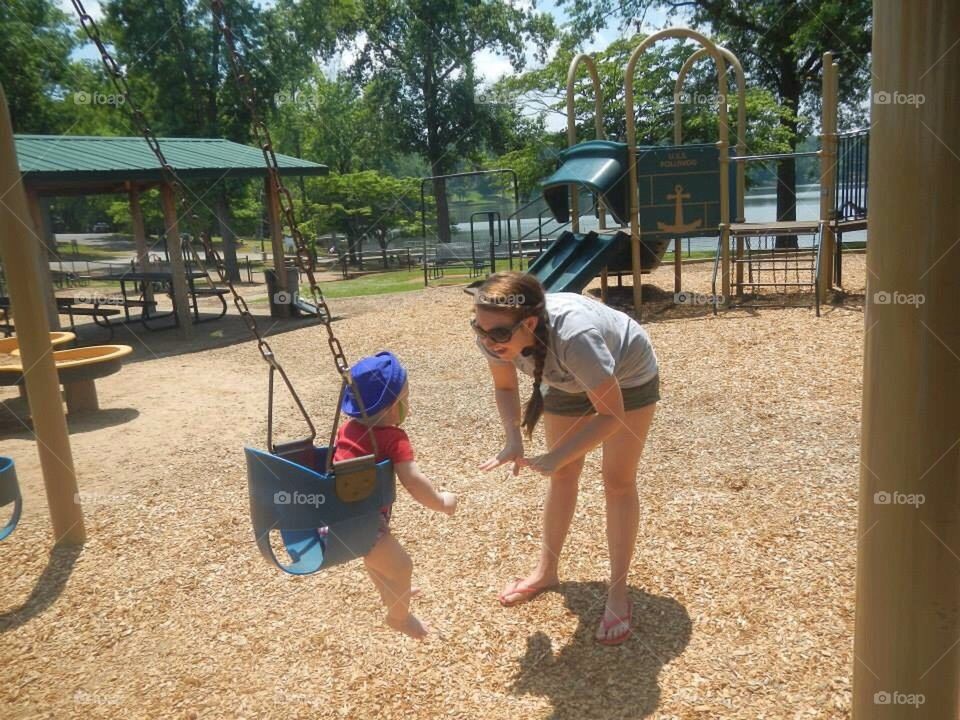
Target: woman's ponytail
<point>534,409</point>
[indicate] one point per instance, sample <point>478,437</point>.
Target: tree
<point>35,65</point>
<point>365,205</point>
<point>418,57</point>
<point>780,43</point>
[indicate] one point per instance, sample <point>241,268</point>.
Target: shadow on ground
<point>49,586</point>
<point>588,680</point>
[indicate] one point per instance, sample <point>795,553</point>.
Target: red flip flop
<point>620,637</point>
<point>526,594</point>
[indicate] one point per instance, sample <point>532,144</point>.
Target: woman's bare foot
<point>409,625</point>
<point>615,624</point>
<point>521,590</point>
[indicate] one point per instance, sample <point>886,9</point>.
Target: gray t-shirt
<point>589,342</point>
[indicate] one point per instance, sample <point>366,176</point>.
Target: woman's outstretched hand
<point>544,464</point>
<point>511,453</point>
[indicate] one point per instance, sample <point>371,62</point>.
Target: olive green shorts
<point>559,402</point>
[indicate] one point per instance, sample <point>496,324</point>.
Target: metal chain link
<point>304,257</point>
<point>116,74</point>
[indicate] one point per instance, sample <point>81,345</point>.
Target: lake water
<point>759,206</point>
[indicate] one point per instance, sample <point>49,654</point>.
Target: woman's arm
<point>422,490</point>
<point>607,398</point>
<point>507,394</point>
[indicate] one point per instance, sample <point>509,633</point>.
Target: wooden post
<point>828,172</point>
<point>181,303</point>
<point>907,656</point>
<point>33,331</point>
<point>276,242</point>
<point>140,236</point>
<point>39,247</point>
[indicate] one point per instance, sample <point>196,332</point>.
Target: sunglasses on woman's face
<point>501,334</point>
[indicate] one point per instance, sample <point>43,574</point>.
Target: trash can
<point>283,303</point>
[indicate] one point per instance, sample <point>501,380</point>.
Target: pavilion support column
<point>181,302</point>
<point>276,240</point>
<point>17,248</point>
<point>140,237</point>
<point>907,634</point>
<point>40,241</point>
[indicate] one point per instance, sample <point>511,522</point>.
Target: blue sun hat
<point>379,379</point>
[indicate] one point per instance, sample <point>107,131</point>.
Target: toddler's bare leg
<point>390,568</point>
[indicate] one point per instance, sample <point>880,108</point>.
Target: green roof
<point>103,164</point>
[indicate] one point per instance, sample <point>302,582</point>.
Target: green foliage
<point>779,43</point>
<point>417,59</point>
<point>35,67</point>
<point>363,204</point>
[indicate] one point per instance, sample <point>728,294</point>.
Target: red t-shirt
<point>353,440</point>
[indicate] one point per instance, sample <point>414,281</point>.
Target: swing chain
<point>304,257</point>
<point>117,76</point>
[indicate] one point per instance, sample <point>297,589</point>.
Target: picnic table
<point>69,306</point>
<point>162,281</point>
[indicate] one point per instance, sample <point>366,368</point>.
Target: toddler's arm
<point>422,489</point>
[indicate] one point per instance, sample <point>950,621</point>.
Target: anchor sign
<point>678,226</point>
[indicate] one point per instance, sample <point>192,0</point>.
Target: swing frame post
<point>18,242</point>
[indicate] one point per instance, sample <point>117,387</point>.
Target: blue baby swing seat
<point>324,518</point>
<point>327,513</point>
<point>9,493</point>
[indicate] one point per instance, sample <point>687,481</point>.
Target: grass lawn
<point>384,282</point>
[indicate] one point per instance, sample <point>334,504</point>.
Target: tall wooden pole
<point>276,242</point>
<point>907,638</point>
<point>181,304</point>
<point>33,332</point>
<point>828,171</point>
<point>39,245</point>
<point>140,236</point>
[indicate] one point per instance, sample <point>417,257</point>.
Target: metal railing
<point>850,194</point>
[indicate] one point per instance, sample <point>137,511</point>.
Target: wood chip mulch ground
<point>743,578</point>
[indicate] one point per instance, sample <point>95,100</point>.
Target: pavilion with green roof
<point>61,165</point>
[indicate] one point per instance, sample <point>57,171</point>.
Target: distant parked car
<point>101,227</point>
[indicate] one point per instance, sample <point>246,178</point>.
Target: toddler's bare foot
<point>409,625</point>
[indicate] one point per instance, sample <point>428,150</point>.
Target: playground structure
<point>666,193</point>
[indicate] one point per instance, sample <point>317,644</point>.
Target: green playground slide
<point>574,259</point>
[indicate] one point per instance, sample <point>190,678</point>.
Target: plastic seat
<point>324,519</point>
<point>9,493</point>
